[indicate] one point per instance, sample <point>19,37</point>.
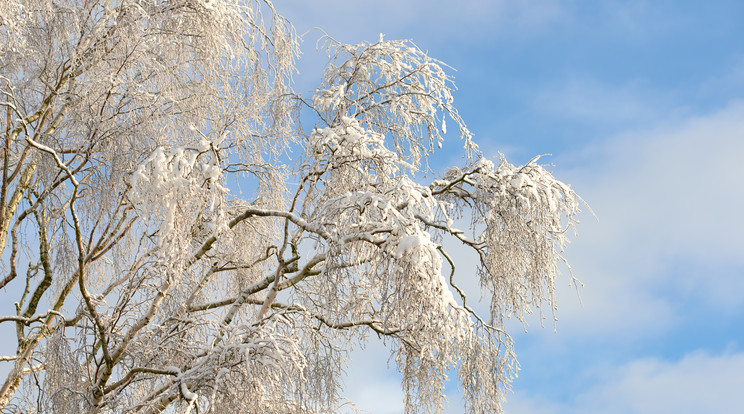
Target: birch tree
<point>175,240</point>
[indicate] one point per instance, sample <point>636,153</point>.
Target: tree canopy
<point>174,239</point>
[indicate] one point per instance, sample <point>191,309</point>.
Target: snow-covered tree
<point>173,239</point>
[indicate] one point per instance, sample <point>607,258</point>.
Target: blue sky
<point>641,105</point>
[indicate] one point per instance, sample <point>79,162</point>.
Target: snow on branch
<point>393,88</point>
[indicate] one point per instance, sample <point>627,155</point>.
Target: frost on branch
<point>395,89</point>
<point>12,39</point>
<point>168,257</point>
<point>526,214</point>
<point>382,261</point>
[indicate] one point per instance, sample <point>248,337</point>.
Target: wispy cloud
<point>698,383</point>
<point>668,201</point>
<point>593,102</point>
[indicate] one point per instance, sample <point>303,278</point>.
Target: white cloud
<point>698,383</point>
<point>674,190</point>
<point>669,205</point>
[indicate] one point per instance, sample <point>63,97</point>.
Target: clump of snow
<point>175,187</point>
<point>411,242</point>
